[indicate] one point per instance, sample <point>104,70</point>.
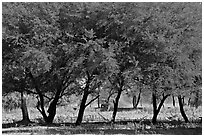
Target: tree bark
<point>174,104</point>
<point>109,96</point>
<point>83,101</point>
<point>155,112</point>
<point>81,109</point>
<point>40,105</point>
<point>117,100</point>
<point>52,112</point>
<point>53,105</point>
<point>98,101</point>
<point>92,101</point>
<point>116,105</point>
<point>52,108</point>
<point>24,109</point>
<point>189,101</point>
<point>155,109</point>
<point>180,100</point>
<point>196,99</point>
<point>183,100</point>
<point>136,101</point>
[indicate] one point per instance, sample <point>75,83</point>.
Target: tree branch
<point>111,95</point>
<point>37,106</point>
<point>29,91</point>
<point>28,73</point>
<point>113,84</point>
<point>92,101</point>
<point>162,101</point>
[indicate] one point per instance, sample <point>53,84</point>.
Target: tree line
<point>59,49</point>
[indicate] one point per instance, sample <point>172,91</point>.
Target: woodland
<point>87,56</point>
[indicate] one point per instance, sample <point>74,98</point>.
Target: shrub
<point>11,101</point>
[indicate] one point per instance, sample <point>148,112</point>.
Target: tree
<point>93,70</point>
<point>13,82</point>
<point>46,56</point>
<point>13,75</point>
<point>185,53</point>
<point>173,32</point>
<point>62,48</point>
<point>136,99</point>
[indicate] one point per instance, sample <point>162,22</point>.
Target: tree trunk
<point>116,105</point>
<point>196,99</point>
<point>53,105</point>
<point>40,105</point>
<point>52,112</point>
<point>183,100</point>
<point>120,89</point>
<point>155,109</point>
<point>154,118</point>
<point>189,101</point>
<point>174,104</point>
<point>83,101</point>
<point>181,109</point>
<point>24,108</point>
<point>155,112</point>
<point>98,101</point>
<point>82,108</point>
<point>136,101</point>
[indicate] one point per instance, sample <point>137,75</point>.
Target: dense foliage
<point>60,49</point>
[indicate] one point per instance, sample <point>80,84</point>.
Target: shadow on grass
<point>68,131</point>
<point>119,127</point>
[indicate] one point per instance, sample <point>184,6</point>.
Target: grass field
<point>128,121</point>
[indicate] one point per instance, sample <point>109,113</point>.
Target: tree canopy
<point>48,49</point>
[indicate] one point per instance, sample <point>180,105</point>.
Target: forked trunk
<point>155,109</point>
<point>53,105</point>
<point>52,112</point>
<point>154,118</point>
<point>40,104</point>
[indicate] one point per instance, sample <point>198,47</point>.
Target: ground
<point>128,121</point>
<point>108,128</point>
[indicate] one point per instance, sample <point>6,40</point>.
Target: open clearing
<point>96,122</point>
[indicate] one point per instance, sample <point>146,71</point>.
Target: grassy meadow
<point>95,121</point>
<point>128,121</point>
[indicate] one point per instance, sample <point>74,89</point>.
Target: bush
<point>11,101</point>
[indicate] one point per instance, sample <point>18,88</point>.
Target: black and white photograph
<point>101,68</point>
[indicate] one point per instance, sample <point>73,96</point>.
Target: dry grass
<point>66,114</point>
